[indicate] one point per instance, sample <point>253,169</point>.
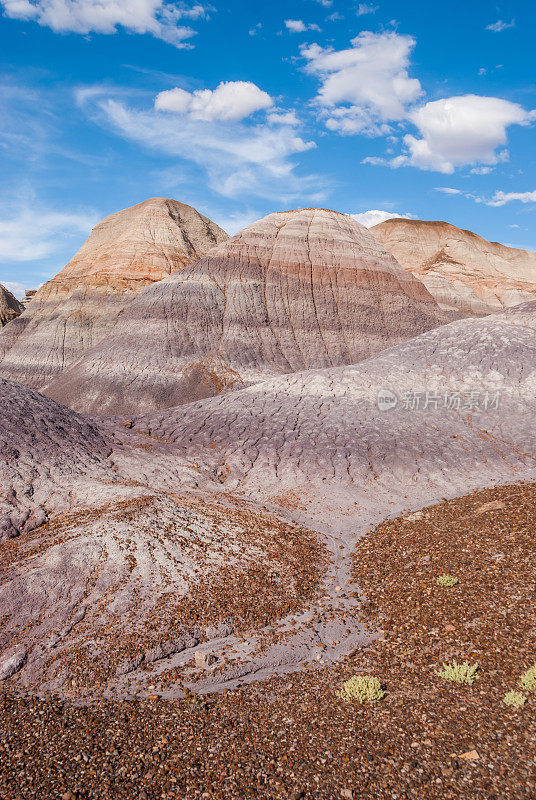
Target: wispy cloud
<point>481,170</point>
<point>235,221</point>
<point>248,156</point>
<point>500,25</point>
<point>447,190</point>
<point>299,26</point>
<point>30,231</point>
<point>26,121</point>
<point>366,8</point>
<point>501,198</point>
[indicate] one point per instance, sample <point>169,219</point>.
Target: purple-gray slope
<point>320,435</point>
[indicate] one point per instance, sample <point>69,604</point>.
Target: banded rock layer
<point>463,271</point>
<point>10,308</point>
<point>124,254</point>
<point>297,290</point>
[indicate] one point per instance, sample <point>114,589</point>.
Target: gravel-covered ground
<point>292,737</point>
<point>100,598</point>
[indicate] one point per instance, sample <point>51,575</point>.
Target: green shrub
<point>362,688</point>
<point>447,580</point>
<point>528,679</point>
<point>515,699</point>
<point>459,673</point>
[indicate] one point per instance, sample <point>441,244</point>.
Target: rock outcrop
<point>463,271</point>
<point>124,254</point>
<point>297,290</point>
<point>28,297</point>
<point>10,307</point>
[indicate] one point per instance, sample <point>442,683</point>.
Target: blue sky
<point>411,108</point>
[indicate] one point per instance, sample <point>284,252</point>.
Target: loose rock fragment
<point>13,663</point>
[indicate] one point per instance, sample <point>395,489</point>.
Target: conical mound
<point>297,290</point>
<point>124,254</point>
<point>9,306</point>
<point>463,271</point>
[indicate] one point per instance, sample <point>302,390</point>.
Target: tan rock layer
<point>297,290</point>
<point>124,254</point>
<point>10,308</point>
<point>463,271</point>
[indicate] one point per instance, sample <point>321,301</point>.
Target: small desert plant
<point>458,673</point>
<point>515,699</point>
<point>361,688</point>
<point>528,679</point>
<point>447,580</point>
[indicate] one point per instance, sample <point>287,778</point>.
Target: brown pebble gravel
<point>291,737</point>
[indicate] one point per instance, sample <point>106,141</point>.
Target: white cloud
<point>160,18</point>
<point>447,190</point>
<point>375,216</point>
<point>462,130</point>
<point>240,157</point>
<point>500,25</point>
<point>255,30</point>
<point>366,8</point>
<point>364,87</point>
<point>231,100</point>
<point>29,233</point>
<point>481,170</point>
<point>299,26</point>
<point>367,90</point>
<point>501,198</point>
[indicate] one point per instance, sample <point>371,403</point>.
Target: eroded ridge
<point>125,253</point>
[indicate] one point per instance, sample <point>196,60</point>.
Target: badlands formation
<point>147,537</point>
<point>462,271</point>
<point>9,306</point>
<point>297,290</point>
<point>124,254</point>
<point>201,540</point>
